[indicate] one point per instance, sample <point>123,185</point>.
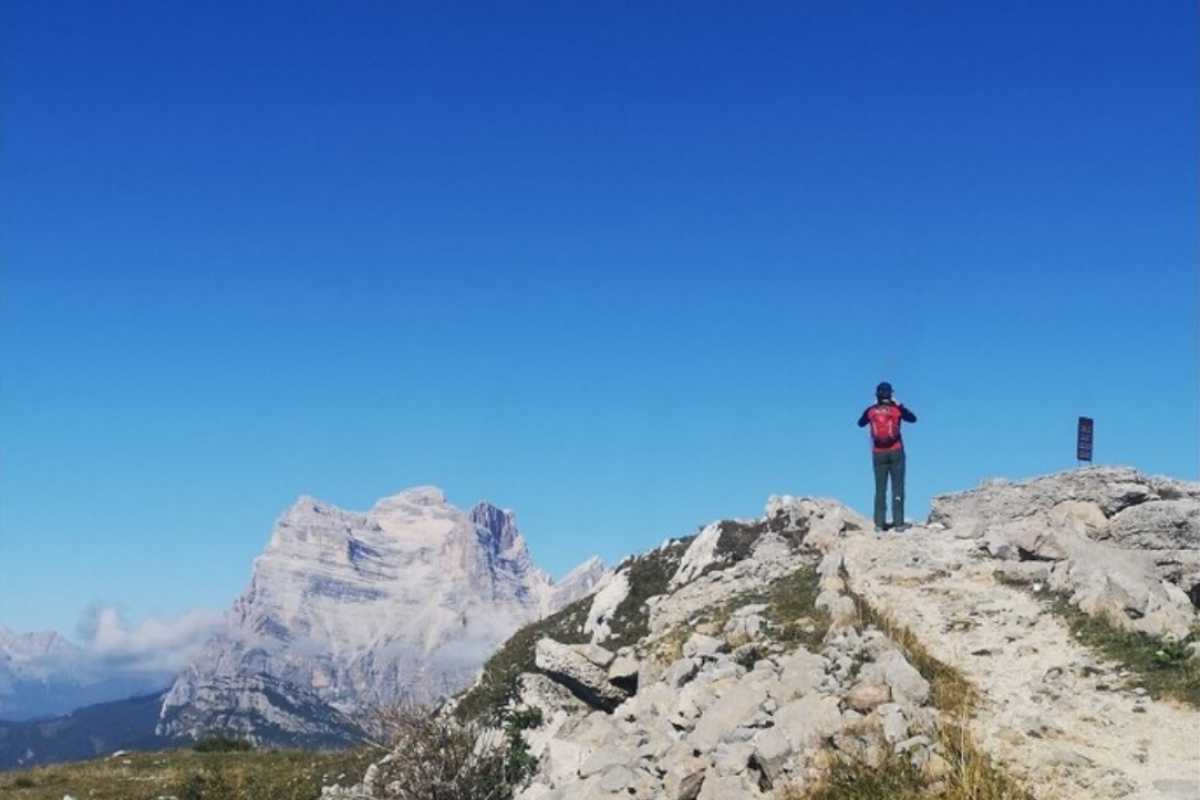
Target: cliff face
<point>346,611</point>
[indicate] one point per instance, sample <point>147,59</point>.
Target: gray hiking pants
<point>889,463</point>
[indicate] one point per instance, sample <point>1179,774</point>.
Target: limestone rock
<point>738,706</point>
<point>805,722</point>
<point>623,673</point>
<point>701,646</point>
<point>570,666</point>
<point>1160,525</point>
<point>865,696</point>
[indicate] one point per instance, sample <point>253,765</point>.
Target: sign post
<point>1083,440</point>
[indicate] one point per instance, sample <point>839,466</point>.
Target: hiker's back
<point>884,419</point>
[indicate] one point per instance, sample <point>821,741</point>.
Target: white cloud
<point>156,645</point>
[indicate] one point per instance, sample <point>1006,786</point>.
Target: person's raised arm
<point>907,415</point>
<point>862,421</point>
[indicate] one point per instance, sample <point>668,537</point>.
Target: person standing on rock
<point>888,452</point>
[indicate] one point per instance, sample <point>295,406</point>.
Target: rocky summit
<point>771,657</point>
<point>350,611</point>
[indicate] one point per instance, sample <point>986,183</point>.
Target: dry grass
<point>961,771</point>
<point>949,689</point>
<point>188,775</point>
<point>668,648</point>
<point>436,757</point>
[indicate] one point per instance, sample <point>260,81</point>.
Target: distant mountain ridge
<point>41,677</point>
<point>347,611</point>
<point>85,733</point>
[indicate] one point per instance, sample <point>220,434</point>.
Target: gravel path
<point>1054,713</point>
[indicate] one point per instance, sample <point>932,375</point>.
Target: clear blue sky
<point>626,270</point>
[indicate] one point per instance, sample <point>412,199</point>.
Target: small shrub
<point>520,763</point>
<point>222,744</point>
<point>24,782</point>
<point>791,608</point>
<point>436,757</point>
<point>649,575</point>
<point>205,786</point>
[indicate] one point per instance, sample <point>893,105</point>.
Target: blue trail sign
<point>1083,440</point>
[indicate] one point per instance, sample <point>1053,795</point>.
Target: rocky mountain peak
<point>417,497</point>
<point>499,523</point>
<point>360,609</point>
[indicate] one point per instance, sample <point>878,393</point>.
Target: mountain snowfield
<point>347,611</point>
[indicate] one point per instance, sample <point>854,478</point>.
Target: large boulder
<point>1128,588</point>
<point>583,669</point>
<point>1157,525</point>
<point>1124,588</point>
<point>740,706</point>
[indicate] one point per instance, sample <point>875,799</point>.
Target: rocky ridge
<point>751,659</point>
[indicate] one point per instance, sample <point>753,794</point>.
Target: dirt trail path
<point>1054,713</point>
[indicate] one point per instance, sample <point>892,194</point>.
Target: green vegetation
<point>791,612</point>
<point>498,682</point>
<point>949,690</point>
<point>1162,668</point>
<point>190,775</point>
<point>895,779</point>
<point>967,773</point>
<point>736,540</point>
<point>222,744</point>
<point>435,757</point>
<point>520,764</point>
<point>648,576</point>
<point>791,609</point>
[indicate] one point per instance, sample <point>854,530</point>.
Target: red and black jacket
<point>890,415</point>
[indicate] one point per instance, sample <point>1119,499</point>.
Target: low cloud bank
<point>45,675</point>
<point>110,647</point>
<point>155,646</point>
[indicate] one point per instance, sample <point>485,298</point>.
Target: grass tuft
<point>949,689</point>
<point>1162,668</point>
<point>895,779</point>
<point>967,773</point>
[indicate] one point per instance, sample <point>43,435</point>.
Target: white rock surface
<point>739,714</point>
<point>1054,713</point>
<point>347,611</point>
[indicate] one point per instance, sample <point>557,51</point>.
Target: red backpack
<point>885,425</point>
